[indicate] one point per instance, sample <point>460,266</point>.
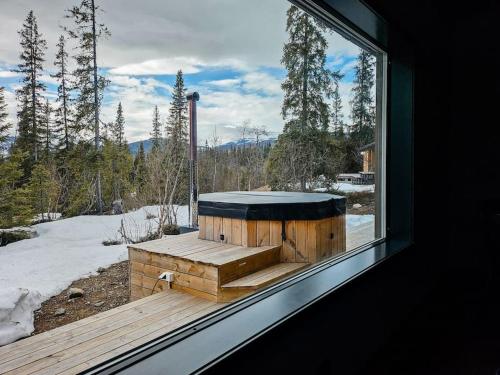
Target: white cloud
<point>170,66</point>
<point>8,74</point>
<point>138,97</point>
<point>160,67</point>
<point>262,82</point>
<point>226,110</point>
<point>224,83</point>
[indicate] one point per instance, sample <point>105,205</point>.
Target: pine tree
<point>362,104</point>
<point>156,133</point>
<point>4,124</point>
<point>119,127</point>
<point>89,84</point>
<point>48,135</point>
<point>177,119</point>
<point>177,138</point>
<point>15,208</point>
<point>30,94</point>
<point>337,116</point>
<point>308,80</point>
<point>64,126</point>
<point>299,153</point>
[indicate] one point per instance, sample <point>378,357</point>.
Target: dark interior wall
<point>456,193</point>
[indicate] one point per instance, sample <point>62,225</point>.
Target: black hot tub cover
<point>275,205</point>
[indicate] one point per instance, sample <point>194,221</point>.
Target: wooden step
<point>265,277</point>
<point>199,266</point>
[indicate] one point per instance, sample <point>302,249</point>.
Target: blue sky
<point>233,63</point>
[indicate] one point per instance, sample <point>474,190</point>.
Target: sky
<point>228,50</point>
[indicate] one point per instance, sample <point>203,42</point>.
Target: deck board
<point>266,276</point>
<point>80,345</point>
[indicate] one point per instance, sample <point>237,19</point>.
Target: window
<point>290,163</point>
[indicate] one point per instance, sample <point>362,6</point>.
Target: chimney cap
<point>193,96</point>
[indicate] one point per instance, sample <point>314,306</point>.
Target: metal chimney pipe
<point>192,98</point>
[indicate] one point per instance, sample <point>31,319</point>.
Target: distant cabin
<point>367,175</point>
<point>368,153</point>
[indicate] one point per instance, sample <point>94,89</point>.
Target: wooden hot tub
<point>246,241</point>
<point>309,226</point>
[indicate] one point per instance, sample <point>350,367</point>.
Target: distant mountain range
<point>148,144</point>
<point>244,142</point>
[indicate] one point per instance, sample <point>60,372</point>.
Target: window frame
<point>204,342</point>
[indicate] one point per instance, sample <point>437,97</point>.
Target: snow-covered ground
<point>31,271</point>
<point>347,187</point>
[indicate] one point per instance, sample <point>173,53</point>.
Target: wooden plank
<point>249,233</point>
<point>202,227</point>
<point>312,243</point>
<point>234,270</point>
<point>302,254</point>
<point>275,233</point>
<point>205,285</point>
<point>265,277</point>
<point>226,229</point>
<point>325,241</point>
<point>263,232</point>
<point>343,233</point>
<point>236,231</point>
<point>335,225</point>
<point>288,250</point>
<point>195,292</point>
<point>209,228</point>
<point>176,264</point>
<point>217,228</point>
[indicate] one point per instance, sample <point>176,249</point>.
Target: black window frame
<point>208,340</point>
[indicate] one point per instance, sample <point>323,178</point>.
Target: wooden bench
<point>80,345</point>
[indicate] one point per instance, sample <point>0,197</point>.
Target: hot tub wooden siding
<point>307,241</point>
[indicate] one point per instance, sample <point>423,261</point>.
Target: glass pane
<point>109,199</point>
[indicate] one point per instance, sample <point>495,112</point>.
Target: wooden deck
<point>215,267</point>
<point>80,345</point>
<point>360,235</point>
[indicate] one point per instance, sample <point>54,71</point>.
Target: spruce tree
<point>298,155</point>
<point>308,80</point>
<point>15,207</point>
<point>177,120</point>
<point>89,85</point>
<point>63,116</point>
<point>4,124</point>
<point>30,94</point>
<point>337,116</point>
<point>362,104</point>
<point>119,127</point>
<point>48,134</point>
<point>177,138</point>
<point>156,133</point>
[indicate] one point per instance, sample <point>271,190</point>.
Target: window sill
<point>207,341</point>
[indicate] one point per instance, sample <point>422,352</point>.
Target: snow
<point>355,220</point>
<point>64,251</point>
<point>32,271</point>
<point>347,187</point>
<point>16,313</point>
